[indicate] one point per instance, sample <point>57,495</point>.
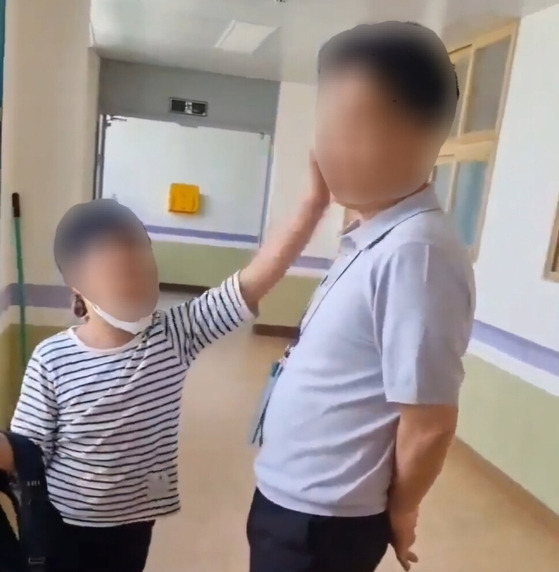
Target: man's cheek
<point>330,171</point>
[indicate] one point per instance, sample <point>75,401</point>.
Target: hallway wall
<point>510,402</point>
<point>143,91</point>
<point>139,90</point>
<point>47,157</point>
<point>142,159</point>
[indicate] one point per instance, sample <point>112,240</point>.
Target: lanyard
<point>308,315</point>
<point>315,304</point>
<point>304,321</point>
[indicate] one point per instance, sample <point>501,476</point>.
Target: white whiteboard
<point>143,157</point>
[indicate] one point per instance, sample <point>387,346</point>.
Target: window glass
<point>441,183</point>
<point>470,182</point>
<point>487,86</point>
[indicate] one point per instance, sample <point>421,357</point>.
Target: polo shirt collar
<point>360,235</point>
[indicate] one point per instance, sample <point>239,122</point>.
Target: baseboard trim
<point>514,491</point>
<point>288,332</point>
<point>182,288</point>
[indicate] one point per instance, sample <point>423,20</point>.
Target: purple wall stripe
<point>519,348</point>
<point>516,347</point>
<point>40,296</point>
<point>313,263</point>
<point>308,262</point>
<point>207,234</point>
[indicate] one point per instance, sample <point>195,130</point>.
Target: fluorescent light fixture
<point>243,38</point>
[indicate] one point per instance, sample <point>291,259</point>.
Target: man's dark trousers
<point>282,540</point>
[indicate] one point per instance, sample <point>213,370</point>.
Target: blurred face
<point>371,151</point>
<point>118,274</point>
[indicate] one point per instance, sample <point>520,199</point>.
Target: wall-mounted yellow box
<point>184,199</point>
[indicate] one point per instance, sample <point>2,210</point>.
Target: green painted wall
<point>10,365</point>
<point>286,303</point>
<point>514,425</point>
<point>202,265</point>
<point>198,264</point>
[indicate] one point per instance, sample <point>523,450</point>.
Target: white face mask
<point>134,328</point>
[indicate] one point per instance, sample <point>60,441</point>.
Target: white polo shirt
<point>392,330</point>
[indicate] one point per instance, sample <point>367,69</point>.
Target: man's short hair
<point>409,58</point>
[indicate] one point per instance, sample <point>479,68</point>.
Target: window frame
<point>551,268</point>
<point>478,145</point>
<point>483,152</point>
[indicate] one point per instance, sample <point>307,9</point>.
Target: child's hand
<point>319,192</point>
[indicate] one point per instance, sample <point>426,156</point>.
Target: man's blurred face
<point>370,149</point>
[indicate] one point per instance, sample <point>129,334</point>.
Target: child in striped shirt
<point>102,399</point>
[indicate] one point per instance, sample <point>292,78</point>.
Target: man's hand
<point>424,435</point>
<point>403,525</point>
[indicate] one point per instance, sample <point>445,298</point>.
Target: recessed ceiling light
<point>242,37</point>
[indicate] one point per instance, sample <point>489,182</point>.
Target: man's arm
<point>196,324</point>
<point>423,316</point>
<point>425,432</point>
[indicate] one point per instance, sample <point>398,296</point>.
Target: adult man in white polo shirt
<point>364,407</point>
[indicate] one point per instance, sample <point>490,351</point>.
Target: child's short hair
<point>411,59</point>
<point>86,222</point>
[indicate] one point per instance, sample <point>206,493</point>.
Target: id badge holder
<point>256,436</point>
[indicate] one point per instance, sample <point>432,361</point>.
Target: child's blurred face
<point>369,149</point>
<point>118,274</point>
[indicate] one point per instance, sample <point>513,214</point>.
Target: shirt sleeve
<point>199,322</point>
<point>423,314</point>
<point>36,413</point>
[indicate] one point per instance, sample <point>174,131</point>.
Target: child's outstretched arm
<point>280,251</point>
<point>196,324</point>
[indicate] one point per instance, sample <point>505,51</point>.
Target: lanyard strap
<point>300,328</point>
<point>304,320</point>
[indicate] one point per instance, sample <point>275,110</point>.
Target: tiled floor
<point>469,524</point>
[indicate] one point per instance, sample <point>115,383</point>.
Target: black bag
<point>26,548</point>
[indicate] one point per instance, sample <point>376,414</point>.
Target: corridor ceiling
<point>183,33</point>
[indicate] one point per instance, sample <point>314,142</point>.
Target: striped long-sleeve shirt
<point>107,421</point>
